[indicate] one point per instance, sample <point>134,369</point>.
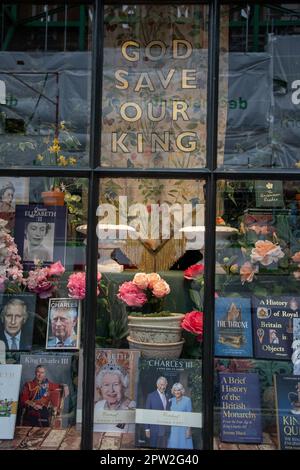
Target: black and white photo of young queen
<point>38,241</point>
<point>40,233</point>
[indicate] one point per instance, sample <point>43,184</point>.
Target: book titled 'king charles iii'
<point>273,326</point>
<point>287,394</point>
<point>10,378</point>
<point>233,329</point>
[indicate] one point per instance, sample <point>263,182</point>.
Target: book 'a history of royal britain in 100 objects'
<point>273,326</point>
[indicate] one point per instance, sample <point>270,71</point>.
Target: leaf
<point>196,298</point>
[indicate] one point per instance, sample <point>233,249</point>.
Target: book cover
<point>115,390</point>
<point>273,326</point>
<point>47,393</point>
<point>169,406</point>
<point>10,377</point>
<point>40,234</point>
<point>233,328</point>
<point>13,191</point>
<point>17,312</point>
<point>287,395</point>
<point>296,346</point>
<point>63,326</point>
<point>269,193</point>
<point>240,407</point>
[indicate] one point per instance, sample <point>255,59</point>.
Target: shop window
<point>257,316</point>
<point>45,76</point>
<point>259,105</point>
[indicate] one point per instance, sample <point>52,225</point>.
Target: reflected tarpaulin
<point>286,70</point>
<point>248,137</point>
<point>42,89</point>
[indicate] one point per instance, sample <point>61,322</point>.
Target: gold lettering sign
<point>154,94</point>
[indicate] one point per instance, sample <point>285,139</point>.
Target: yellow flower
<point>62,125</point>
<point>72,161</point>
<point>62,161</point>
<point>40,157</point>
<point>54,148</point>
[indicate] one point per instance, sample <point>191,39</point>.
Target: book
<point>240,407</point>
<point>169,406</point>
<point>287,397</point>
<point>115,390</point>
<point>10,377</point>
<point>13,191</point>
<point>17,313</point>
<point>63,325</point>
<point>41,234</point>
<point>48,381</point>
<point>269,193</point>
<point>273,326</point>
<point>296,346</point>
<point>233,327</point>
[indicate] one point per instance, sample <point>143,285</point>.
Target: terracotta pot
<point>53,198</point>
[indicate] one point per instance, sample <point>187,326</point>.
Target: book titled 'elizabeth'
<point>10,378</point>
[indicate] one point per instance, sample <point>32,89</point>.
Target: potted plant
<point>57,153</point>
<point>154,331</point>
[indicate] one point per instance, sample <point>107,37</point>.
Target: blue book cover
<point>273,326</point>
<point>287,392</point>
<point>240,408</point>
<point>40,234</point>
<point>233,328</point>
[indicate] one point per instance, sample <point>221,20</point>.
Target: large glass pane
<point>257,315</point>
<point>42,269</point>
<point>154,86</point>
<point>44,84</point>
<point>149,320</point>
<point>259,92</point>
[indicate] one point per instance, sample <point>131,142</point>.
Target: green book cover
<point>269,193</point>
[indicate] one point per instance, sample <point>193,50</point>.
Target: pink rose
<point>141,280</point>
<point>266,252</point>
<point>296,257</point>
<point>131,295</point>
<point>56,269</point>
<point>193,322</point>
<point>161,289</point>
<point>194,271</point>
<point>152,278</point>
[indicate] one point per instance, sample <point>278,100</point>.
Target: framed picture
<point>63,327</point>
<point>13,191</point>
<point>17,313</point>
<point>40,234</point>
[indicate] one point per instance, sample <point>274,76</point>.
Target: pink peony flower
<point>266,252</point>
<point>131,295</point>
<point>194,271</point>
<point>193,322</point>
<point>161,289</point>
<point>141,280</point>
<point>56,269</point>
<point>76,285</point>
